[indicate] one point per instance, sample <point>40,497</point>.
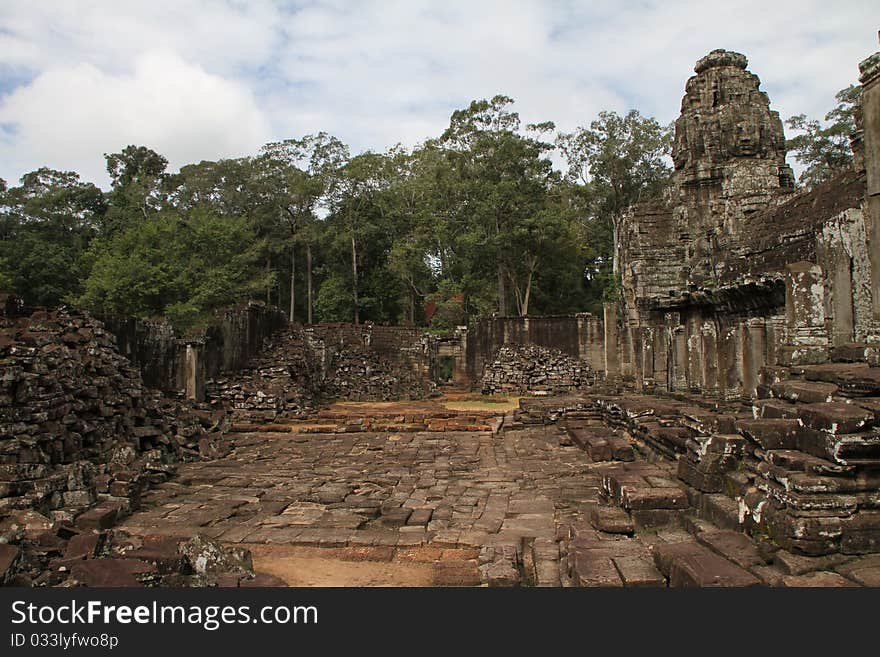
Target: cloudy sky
<point>200,79</point>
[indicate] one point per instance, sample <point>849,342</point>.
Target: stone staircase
<point>783,491</point>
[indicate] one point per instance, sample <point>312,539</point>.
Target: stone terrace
<point>556,497</point>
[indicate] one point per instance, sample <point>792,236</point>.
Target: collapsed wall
<point>77,424</point>
<point>530,369</point>
<point>172,363</point>
<point>579,336</point>
<point>301,367</point>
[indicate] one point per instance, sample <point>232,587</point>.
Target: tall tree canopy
<point>614,163</point>
<point>825,149</point>
<point>473,222</point>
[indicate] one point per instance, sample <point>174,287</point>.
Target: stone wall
<point>406,345</point>
<point>579,336</point>
<point>732,270</point>
<point>170,363</point>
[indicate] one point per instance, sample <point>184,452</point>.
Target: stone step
<point>611,520</point>
<point>733,546</point>
<point>852,379</point>
<point>856,352</point>
<point>720,510</point>
<point>772,433</point>
<point>601,444</point>
<point>775,409</point>
<point>638,572</point>
<point>835,417</point>
<point>807,392</point>
<point>689,564</point>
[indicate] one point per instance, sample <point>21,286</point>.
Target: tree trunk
<point>533,266</point>
<point>309,280</point>
<point>525,304</point>
<point>502,293</point>
<point>292,281</point>
<point>268,281</point>
<point>354,279</point>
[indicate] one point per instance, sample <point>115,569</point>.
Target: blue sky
<point>197,80</point>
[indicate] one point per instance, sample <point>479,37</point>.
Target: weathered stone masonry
<point>739,289</point>
<point>733,270</point>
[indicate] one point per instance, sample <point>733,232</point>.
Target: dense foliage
<point>473,222</point>
<point>824,150</point>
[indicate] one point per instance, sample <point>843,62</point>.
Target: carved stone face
<point>747,138</point>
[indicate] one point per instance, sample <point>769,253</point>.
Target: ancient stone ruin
<point>718,426</point>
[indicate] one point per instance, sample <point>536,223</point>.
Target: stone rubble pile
<point>77,426</point>
<point>530,369</point>
<point>37,552</point>
<point>281,382</point>
<point>815,457</point>
<point>356,374</point>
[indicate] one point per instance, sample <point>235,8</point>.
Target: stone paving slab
<point>382,490</point>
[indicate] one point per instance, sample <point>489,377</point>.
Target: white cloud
<point>69,116</point>
<point>378,72</point>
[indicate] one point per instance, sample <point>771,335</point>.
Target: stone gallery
<point>718,426</point>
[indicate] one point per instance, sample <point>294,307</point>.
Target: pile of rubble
<point>37,552</point>
<point>814,452</point>
<point>77,426</point>
<point>282,381</point>
<point>530,369</point>
<point>357,374</point>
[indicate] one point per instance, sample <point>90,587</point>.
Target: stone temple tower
<point>729,155</point>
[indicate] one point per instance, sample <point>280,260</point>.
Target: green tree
<point>614,163</point>
<point>825,149</point>
<point>136,176</point>
<point>46,223</point>
<point>182,266</point>
<point>503,176</point>
<point>303,174</point>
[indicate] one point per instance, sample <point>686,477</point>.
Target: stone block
<point>772,433</point>
<point>646,497</point>
<point>611,520</point>
<point>818,579</point>
<point>114,573</point>
<point>733,546</point>
<point>638,572</point>
<point>691,565</point>
<point>101,517</point>
<point>594,570</point>
<point>807,392</point>
<point>9,555</point>
<point>835,417</point>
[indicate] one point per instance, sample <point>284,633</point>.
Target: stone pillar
<point>807,340</point>
<point>710,358</point>
<point>626,354</point>
<point>694,352</point>
<point>729,375</point>
<point>753,355</point>
<point>661,356</point>
<point>612,347</point>
<point>870,105</point>
<point>635,339</point>
<point>679,358</point>
<point>841,296</point>
<point>194,370</point>
<point>459,366</point>
<point>648,355</point>
<point>774,337</point>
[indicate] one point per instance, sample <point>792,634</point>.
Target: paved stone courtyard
<point>469,493</point>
